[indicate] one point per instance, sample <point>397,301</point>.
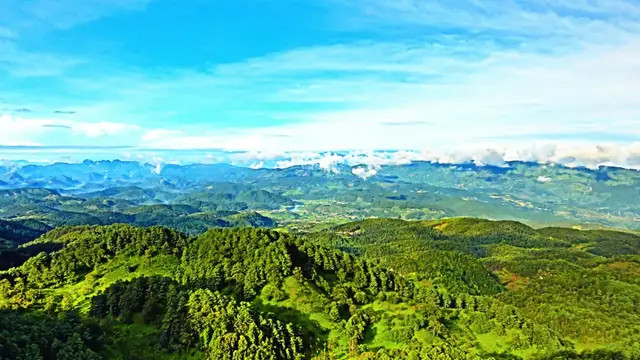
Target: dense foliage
<point>376,289</point>
<point>583,284</point>
<point>65,336</point>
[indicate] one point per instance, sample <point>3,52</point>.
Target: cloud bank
<point>443,81</point>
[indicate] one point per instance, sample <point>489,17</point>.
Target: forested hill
<point>582,284</point>
<point>122,292</point>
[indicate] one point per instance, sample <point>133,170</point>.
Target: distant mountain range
<point>538,194</point>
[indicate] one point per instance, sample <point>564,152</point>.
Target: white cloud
<point>329,162</point>
<point>258,155</point>
<point>100,128</point>
<point>364,172</point>
<point>504,94</point>
<point>25,131</point>
<point>299,158</point>
<point>160,134</point>
<point>519,78</point>
<point>158,163</point>
<point>15,131</point>
<point>572,154</point>
<point>490,157</point>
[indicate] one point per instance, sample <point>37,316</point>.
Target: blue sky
<point>450,80</point>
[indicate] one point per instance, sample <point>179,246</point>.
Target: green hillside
<point>376,289</point>
<point>582,284</point>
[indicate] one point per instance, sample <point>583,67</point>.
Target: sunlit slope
<point>583,284</point>
<point>259,291</point>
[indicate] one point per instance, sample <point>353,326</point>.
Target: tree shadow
<point>15,257</point>
<point>369,334</point>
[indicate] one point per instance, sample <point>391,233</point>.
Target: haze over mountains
<point>538,194</point>
<point>123,259</point>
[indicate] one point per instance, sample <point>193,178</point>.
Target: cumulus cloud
<point>363,164</point>
<point>158,163</point>
<point>330,161</point>
<point>299,158</point>
<point>489,157</point>
<point>543,179</point>
<point>367,164</point>
<point>364,172</point>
